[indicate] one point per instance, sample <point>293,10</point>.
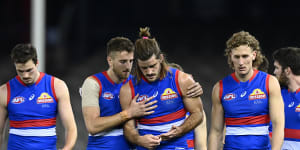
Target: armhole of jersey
<point>100,85</point>
<point>8,92</point>
<point>267,83</point>
<point>53,89</point>
<point>132,89</point>
<point>220,89</point>
<point>177,82</point>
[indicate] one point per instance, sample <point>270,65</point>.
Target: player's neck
<point>113,76</point>
<point>246,77</point>
<point>294,83</point>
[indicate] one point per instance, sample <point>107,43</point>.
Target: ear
<point>161,58</point>
<point>287,71</point>
<point>254,55</point>
<point>109,60</point>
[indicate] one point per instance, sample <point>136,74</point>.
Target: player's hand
<point>194,90</point>
<point>175,131</point>
<point>149,141</point>
<point>142,108</point>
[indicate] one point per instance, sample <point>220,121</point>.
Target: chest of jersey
<point>242,99</point>
<point>31,102</point>
<point>291,109</point>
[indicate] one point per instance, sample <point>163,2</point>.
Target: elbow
<point>92,130</point>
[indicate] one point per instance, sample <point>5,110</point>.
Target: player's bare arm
<point>192,105</point>
<point>66,113</point>
<point>3,111</point>
<point>91,110</point>
<point>217,121</point>
<point>276,113</point>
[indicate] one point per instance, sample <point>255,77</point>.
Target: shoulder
<point>3,93</point>
<point>184,78</point>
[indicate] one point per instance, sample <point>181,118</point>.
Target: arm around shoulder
<point>66,113</point>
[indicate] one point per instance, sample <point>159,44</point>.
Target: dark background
<point>192,33</point>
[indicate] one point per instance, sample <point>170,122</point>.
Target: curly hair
<point>243,38</point>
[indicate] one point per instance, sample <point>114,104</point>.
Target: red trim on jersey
<point>169,117</point>
<point>270,135</point>
<point>143,77</point>
<point>100,85</point>
<point>42,74</point>
<point>8,92</point>
<point>267,83</point>
<point>292,133</point>
<point>190,143</point>
<point>132,89</point>
<point>220,89</point>
<point>19,79</point>
<point>298,91</point>
<point>177,82</point>
<point>261,119</point>
<point>254,74</point>
<point>235,78</point>
<point>53,89</point>
<point>33,123</point>
<point>108,78</point>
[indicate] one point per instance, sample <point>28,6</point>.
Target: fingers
<point>148,99</point>
<point>135,97</point>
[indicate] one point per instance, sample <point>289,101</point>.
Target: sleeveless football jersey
<point>109,104</point>
<point>32,111</point>
<point>292,119</point>
<point>170,110</point>
<point>246,111</point>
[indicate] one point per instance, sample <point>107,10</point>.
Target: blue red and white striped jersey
<point>109,104</point>
<point>32,111</point>
<point>246,111</point>
<point>292,119</point>
<point>170,110</point>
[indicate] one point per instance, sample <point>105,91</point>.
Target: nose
<point>149,71</point>
<point>241,61</point>
<point>25,74</point>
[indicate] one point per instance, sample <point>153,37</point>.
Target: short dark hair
<point>22,53</point>
<point>288,57</point>
<point>118,44</point>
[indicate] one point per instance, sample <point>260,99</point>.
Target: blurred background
<point>192,33</point>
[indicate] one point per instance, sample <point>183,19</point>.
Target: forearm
<point>277,136</point>
<point>131,133</point>
<point>215,141</point>
<point>191,122</point>
<point>70,138</point>
<point>100,124</point>
<point>201,135</point>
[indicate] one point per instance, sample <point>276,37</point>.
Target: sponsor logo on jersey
<point>257,94</point>
<point>244,93</point>
<point>18,100</point>
<point>141,98</point>
<point>229,96</point>
<point>108,95</point>
<point>44,98</point>
<point>291,104</point>
<point>298,108</point>
<point>168,94</point>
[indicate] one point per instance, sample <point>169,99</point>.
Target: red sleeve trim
<point>100,85</point>
<point>267,83</point>
<point>132,89</point>
<point>177,82</point>
<point>53,89</point>
<point>220,89</point>
<point>8,92</point>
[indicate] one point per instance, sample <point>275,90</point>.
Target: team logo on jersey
<point>298,108</point>
<point>18,100</point>
<point>108,95</point>
<point>257,94</point>
<point>141,98</point>
<point>229,96</point>
<point>168,94</point>
<point>44,98</point>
